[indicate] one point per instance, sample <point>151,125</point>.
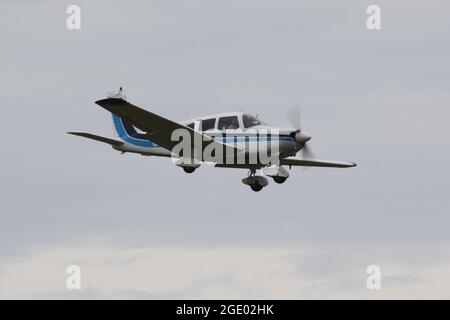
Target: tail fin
<point>126,132</point>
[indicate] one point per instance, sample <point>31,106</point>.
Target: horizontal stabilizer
<point>112,142</point>
<point>316,163</point>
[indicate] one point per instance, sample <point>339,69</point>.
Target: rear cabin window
<point>228,123</point>
<point>191,125</point>
<point>208,124</point>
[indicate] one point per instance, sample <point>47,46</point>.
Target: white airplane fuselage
<point>256,140</point>
<point>229,140</point>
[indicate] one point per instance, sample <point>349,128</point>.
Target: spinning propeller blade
<point>302,138</point>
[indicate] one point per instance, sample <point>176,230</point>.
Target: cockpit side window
<point>250,121</point>
<point>208,124</point>
<point>228,123</point>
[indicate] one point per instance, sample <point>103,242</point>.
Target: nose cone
<point>301,137</point>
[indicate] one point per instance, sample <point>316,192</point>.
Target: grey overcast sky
<point>139,227</point>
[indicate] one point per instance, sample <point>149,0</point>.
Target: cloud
<point>217,273</point>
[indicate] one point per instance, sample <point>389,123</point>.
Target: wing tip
<point>105,101</point>
<point>101,101</point>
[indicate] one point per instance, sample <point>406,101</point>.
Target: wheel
<point>279,179</point>
<point>256,187</point>
<point>188,169</point>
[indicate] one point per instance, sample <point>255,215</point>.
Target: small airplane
<point>234,140</point>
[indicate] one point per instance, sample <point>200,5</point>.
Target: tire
<point>256,187</point>
<point>188,169</point>
<point>279,179</point>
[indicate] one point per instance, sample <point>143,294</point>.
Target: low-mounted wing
<point>315,163</point>
<point>110,141</point>
<point>158,128</point>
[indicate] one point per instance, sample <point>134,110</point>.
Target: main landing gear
<point>256,183</point>
<point>189,169</point>
<point>256,187</point>
<point>277,173</point>
<point>188,166</point>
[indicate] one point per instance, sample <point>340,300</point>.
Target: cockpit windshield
<point>251,121</point>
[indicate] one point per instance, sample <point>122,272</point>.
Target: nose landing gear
<point>256,187</point>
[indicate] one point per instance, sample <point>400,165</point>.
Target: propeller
<point>301,137</point>
<point>294,116</point>
<point>307,152</point>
